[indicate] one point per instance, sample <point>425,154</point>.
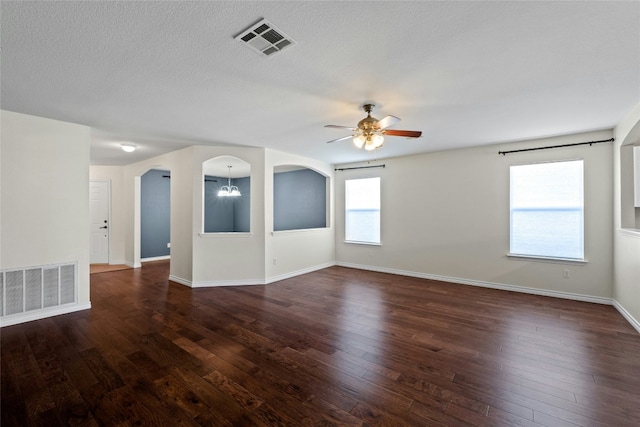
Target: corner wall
<point>217,259</point>
<point>228,258</point>
<point>296,251</point>
<point>626,290</point>
<point>180,164</point>
<point>445,215</point>
<point>44,214</point>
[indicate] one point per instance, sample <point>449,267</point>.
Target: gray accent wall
<point>226,214</point>
<point>299,200</point>
<point>155,214</point>
<point>242,205</point>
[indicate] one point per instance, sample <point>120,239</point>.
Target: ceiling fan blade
<point>405,133</point>
<point>385,122</point>
<point>340,127</point>
<point>340,139</point>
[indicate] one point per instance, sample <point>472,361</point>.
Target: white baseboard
<point>155,258</point>
<point>118,262</point>
<point>627,315</point>
<point>248,282</point>
<point>143,260</point>
<point>41,314</point>
<point>501,286</point>
<point>180,280</point>
<point>216,283</point>
<point>298,272</point>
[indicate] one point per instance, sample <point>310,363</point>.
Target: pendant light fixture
<point>229,190</point>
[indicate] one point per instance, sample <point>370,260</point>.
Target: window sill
<point>300,230</point>
<point>353,242</point>
<point>226,234</point>
<point>633,232</point>
<point>548,259</point>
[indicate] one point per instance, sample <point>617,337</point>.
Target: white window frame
<point>346,213</point>
<point>542,256</point>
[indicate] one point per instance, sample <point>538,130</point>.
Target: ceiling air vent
<point>264,38</point>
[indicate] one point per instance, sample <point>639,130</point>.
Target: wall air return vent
<point>33,289</point>
<point>264,38</point>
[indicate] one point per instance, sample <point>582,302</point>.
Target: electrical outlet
<point>168,245</point>
<point>566,274</point>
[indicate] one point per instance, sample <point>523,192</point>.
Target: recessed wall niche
<point>299,198</point>
<point>227,195</point>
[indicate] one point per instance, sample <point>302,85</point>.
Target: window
<point>547,210</point>
<point>362,210</point>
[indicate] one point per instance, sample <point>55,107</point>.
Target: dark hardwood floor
<point>338,347</point>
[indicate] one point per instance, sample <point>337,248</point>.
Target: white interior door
<point>99,199</point>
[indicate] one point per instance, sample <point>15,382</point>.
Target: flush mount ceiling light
<point>229,190</point>
<point>265,38</point>
<point>369,133</point>
<point>129,148</point>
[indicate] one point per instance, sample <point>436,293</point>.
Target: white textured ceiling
<point>166,75</point>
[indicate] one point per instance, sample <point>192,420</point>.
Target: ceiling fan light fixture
<point>369,141</point>
<point>369,133</point>
<point>370,145</point>
<point>378,140</point>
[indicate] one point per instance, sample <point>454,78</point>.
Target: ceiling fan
<point>370,131</point>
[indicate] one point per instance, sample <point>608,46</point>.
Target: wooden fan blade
<point>340,139</point>
<point>385,122</point>
<point>340,127</point>
<point>405,133</point>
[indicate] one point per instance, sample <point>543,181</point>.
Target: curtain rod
<point>205,180</point>
<point>556,146</point>
<point>359,167</point>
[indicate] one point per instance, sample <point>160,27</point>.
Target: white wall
<point>115,175</point>
<point>446,215</point>
<point>45,195</point>
<point>626,292</point>
<point>299,250</point>
<point>229,258</point>
<point>214,259</point>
